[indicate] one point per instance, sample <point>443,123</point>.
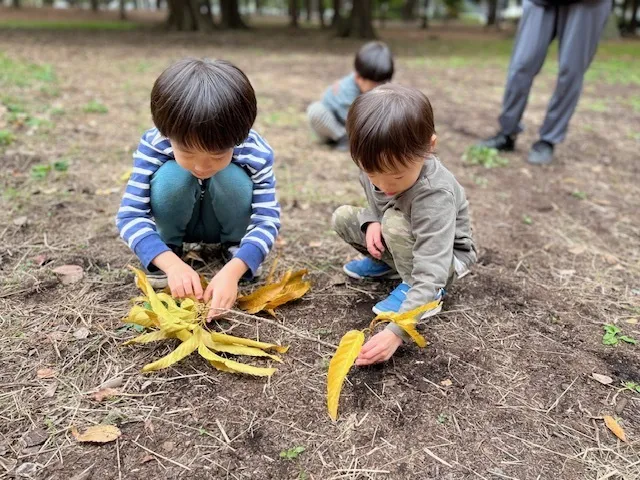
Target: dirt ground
<point>504,388</point>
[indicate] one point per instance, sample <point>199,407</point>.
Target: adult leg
<point>580,26</point>
<point>535,33</point>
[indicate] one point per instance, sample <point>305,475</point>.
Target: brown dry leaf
<point>603,379</point>
<point>615,428</point>
<point>46,373</point>
<point>147,458</point>
<point>69,274</point>
<point>41,259</point>
<point>289,288</point>
<point>50,391</point>
<point>97,434</point>
<point>446,382</point>
<point>193,256</point>
<point>610,259</point>
<point>114,382</point>
<point>578,250</point>
<point>81,333</point>
<point>632,321</point>
<point>100,395</point>
<point>315,244</point>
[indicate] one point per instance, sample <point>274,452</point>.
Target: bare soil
<point>518,339</point>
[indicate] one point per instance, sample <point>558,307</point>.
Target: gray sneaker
<point>157,278</point>
<point>541,153</point>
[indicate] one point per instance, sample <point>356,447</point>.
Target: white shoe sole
<point>390,276</point>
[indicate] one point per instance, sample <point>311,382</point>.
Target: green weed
<point>484,156</point>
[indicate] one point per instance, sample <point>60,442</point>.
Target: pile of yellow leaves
<point>352,342</point>
<point>186,321</point>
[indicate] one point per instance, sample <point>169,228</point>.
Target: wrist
<point>166,261</point>
<point>235,268</point>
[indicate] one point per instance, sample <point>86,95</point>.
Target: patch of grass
<point>57,111</point>
<point>39,122</point>
<point>442,418</point>
<point>61,165</point>
<point>68,25</point>
<point>484,156</point>
<point>6,138</point>
<point>632,386</point>
<point>292,453</point>
<point>481,181</point>
<point>527,220</point>
<point>579,194</point>
<point>40,171</point>
<point>612,336</point>
<point>23,74</point>
<point>95,107</point>
<point>286,118</point>
<point>597,106</point>
<point>635,103</point>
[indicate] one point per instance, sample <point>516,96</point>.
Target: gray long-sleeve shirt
<point>339,97</point>
<point>438,212</point>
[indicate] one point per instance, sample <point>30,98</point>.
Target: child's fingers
<point>188,289</point>
<point>208,293</point>
<point>177,290</point>
<point>197,286</point>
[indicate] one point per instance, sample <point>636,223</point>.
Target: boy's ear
<point>434,142</point>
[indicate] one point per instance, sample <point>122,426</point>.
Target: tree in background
<point>360,21</point>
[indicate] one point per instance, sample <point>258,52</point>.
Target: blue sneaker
<point>394,301</point>
<point>369,268</point>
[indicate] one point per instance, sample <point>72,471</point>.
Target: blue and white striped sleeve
<point>256,156</point>
<point>134,219</point>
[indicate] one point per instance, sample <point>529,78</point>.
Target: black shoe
<point>541,153</point>
<point>342,145</point>
<point>501,142</point>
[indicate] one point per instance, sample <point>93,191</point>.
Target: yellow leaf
<point>124,178</point>
<point>612,425</point>
<point>233,365</point>
<point>97,434</point>
<point>230,339</point>
<point>290,287</point>
<point>141,316</point>
<point>407,321</point>
<point>237,349</point>
<point>340,364</point>
<point>185,349</point>
<point>149,337</point>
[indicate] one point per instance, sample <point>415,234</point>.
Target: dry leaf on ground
<point>290,287</point>
<point>100,395</point>
<point>615,428</point>
<point>46,373</point>
<point>69,274</point>
<point>603,379</point>
<point>97,434</point>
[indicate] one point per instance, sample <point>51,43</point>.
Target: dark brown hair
<point>389,127</point>
<point>374,62</point>
<point>206,105</point>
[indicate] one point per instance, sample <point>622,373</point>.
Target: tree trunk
<point>321,12</point>
<point>258,7</point>
<point>158,4</point>
<point>230,15</point>
<point>359,24</point>
<point>95,6</point>
<point>48,3</point>
<point>425,15</point>
<point>16,3</point>
<point>294,12</point>
<point>337,5</point>
<point>408,12</point>
<point>309,7</point>
<point>123,11</point>
<point>633,25</point>
<point>492,12</point>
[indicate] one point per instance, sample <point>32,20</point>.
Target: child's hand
<point>374,240</point>
<point>183,280</point>
<point>379,348</point>
<point>223,288</point>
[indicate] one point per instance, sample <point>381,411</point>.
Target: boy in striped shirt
<point>201,175</point>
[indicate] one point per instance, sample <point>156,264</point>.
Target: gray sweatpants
<point>578,27</point>
<point>324,123</point>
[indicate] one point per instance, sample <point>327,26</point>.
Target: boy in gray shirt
<point>373,66</point>
<point>416,225</point>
